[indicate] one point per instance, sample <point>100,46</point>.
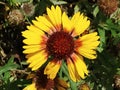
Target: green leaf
<point>9,66</point>
<point>95,12</point>
<point>17,2</point>
<point>76,8</point>
<point>102,39</point>
<point>114,33</point>
<point>7,76</point>
<point>116,39</point>
<point>11,60</point>
<point>118,71</point>
<point>58,2</point>
<point>24,63</point>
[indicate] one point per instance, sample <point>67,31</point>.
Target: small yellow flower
<point>54,35</point>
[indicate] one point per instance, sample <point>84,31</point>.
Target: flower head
<point>40,82</point>
<point>55,35</point>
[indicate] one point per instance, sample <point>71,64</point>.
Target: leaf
<point>17,2</point>
<point>24,63</point>
<point>116,39</point>
<point>114,33</point>
<point>76,8</point>
<point>58,2</point>
<point>6,76</point>
<point>118,71</point>
<point>102,35</point>
<point>11,59</point>
<point>95,12</point>
<point>9,66</point>
<point>102,39</point>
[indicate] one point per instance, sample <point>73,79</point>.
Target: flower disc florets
<point>60,45</point>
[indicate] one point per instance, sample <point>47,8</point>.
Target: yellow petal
<point>41,26</point>
<point>80,23</point>
<point>46,22</point>
<point>38,62</point>
<point>75,17</point>
<point>51,16</point>
<point>34,56</point>
<point>29,34</point>
<point>33,37</point>
<point>52,68</point>
<point>30,87</point>
<point>32,48</point>
<point>91,37</point>
<point>35,29</point>
<point>38,65</point>
<point>59,14</point>
<point>32,41</point>
<point>71,69</point>
<point>88,45</point>
<point>80,65</point>
<point>55,16</point>
<point>87,54</point>
<point>67,24</point>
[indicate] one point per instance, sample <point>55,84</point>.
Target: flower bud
<point>15,17</point>
<point>28,9</point>
<point>108,6</point>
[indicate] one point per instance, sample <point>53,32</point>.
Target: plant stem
<point>73,84</point>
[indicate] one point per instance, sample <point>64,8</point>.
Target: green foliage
<point>58,2</point>
<point>9,78</point>
<point>8,66</point>
<point>16,2</point>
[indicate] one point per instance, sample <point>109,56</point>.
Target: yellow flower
<point>55,35</point>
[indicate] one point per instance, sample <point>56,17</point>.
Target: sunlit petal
<point>72,70</point>
<point>30,87</point>
<point>52,68</point>
<point>88,44</point>
<point>79,65</point>
<point>67,24</point>
<point>55,16</point>
<point>80,23</point>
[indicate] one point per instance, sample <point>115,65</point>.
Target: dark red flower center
<point>60,45</point>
